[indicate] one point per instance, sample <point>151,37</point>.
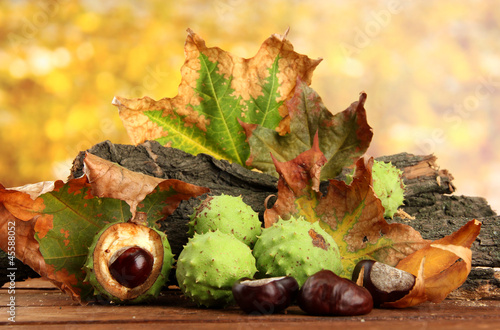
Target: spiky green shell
<point>296,248</point>
<point>209,265</point>
<point>230,215</point>
<point>388,186</point>
<point>115,236</point>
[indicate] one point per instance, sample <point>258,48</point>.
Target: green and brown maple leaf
<point>218,89</point>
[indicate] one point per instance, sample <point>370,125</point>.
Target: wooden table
<point>39,304</point>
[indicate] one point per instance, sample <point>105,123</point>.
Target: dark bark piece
<point>482,283</point>
<point>169,163</point>
<point>422,174</point>
<point>428,188</point>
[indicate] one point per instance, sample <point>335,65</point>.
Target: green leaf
<point>265,108</point>
<point>221,108</point>
<point>343,137</point>
<point>76,217</point>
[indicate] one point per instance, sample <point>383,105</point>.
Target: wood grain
<point>38,305</point>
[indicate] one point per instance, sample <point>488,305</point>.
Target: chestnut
<point>385,283</point>
<point>326,293</point>
<point>265,296</point>
<point>131,266</point>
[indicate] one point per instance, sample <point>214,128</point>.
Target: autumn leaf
<point>111,180</point>
<point>416,295</point>
<point>35,189</point>
<point>440,267</point>
<point>16,216</point>
<point>217,89</point>
<point>21,211</point>
<point>351,214</point>
<point>343,137</point>
<point>76,215</point>
<point>62,222</point>
<point>447,261</point>
<point>166,197</point>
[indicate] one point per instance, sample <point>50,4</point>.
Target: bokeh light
<point>431,70</point>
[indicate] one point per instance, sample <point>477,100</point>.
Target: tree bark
<point>428,199</point>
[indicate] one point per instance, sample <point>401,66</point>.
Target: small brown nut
<point>131,266</point>
<point>385,283</point>
<point>265,296</point>
<point>325,293</point>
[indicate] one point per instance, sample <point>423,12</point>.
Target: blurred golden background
<point>431,70</point>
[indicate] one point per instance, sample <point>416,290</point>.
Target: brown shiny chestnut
<point>265,296</point>
<point>325,293</point>
<point>385,283</point>
<point>131,267</point>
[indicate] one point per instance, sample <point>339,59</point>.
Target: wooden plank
<point>38,307</point>
<point>35,283</point>
<point>260,325</point>
<point>447,310</point>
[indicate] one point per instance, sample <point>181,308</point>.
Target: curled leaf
<point>440,285</point>
<point>111,180</point>
<point>448,261</point>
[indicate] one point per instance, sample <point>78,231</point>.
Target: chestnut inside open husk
<point>385,283</point>
<point>265,296</point>
<point>326,293</point>
<point>131,266</point>
<point>128,262</point>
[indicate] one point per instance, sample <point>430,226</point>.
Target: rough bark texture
<point>428,199</point>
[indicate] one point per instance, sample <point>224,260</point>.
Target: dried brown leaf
<point>447,261</point>
<point>111,180</point>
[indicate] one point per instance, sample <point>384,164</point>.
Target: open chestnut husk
<point>265,296</point>
<point>385,283</point>
<point>326,293</point>
<point>128,262</point>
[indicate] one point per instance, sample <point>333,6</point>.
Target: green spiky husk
<point>152,292</point>
<point>388,186</point>
<point>230,215</point>
<point>209,265</point>
<point>296,248</point>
